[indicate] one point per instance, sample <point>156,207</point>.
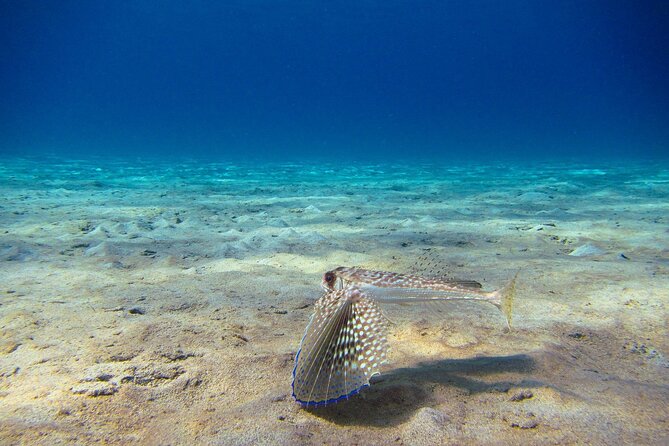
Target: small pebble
<point>522,395</point>
<point>136,310</point>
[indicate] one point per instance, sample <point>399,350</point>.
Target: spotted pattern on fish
<point>389,287</point>
<point>386,279</point>
<point>342,348</point>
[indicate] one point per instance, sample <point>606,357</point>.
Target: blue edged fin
<point>341,349</point>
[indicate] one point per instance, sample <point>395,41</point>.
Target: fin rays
<point>342,348</point>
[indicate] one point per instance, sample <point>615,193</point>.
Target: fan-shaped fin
<point>342,348</point>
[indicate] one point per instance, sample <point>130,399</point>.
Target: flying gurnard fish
<point>345,343</point>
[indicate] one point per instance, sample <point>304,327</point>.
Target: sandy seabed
<point>163,303</point>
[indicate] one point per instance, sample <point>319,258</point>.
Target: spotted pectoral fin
<point>343,347</point>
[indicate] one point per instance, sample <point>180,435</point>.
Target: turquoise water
<point>243,210</point>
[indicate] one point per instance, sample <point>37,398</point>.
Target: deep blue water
<point>336,80</point>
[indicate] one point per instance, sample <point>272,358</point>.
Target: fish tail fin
<point>503,299</point>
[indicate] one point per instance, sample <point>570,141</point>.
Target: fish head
<point>329,280</point>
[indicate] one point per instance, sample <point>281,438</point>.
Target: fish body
<point>387,279</point>
<point>345,343</point>
<point>390,287</point>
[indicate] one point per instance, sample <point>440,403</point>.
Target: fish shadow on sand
<point>395,395</point>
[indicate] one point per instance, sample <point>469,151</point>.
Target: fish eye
<point>329,277</point>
